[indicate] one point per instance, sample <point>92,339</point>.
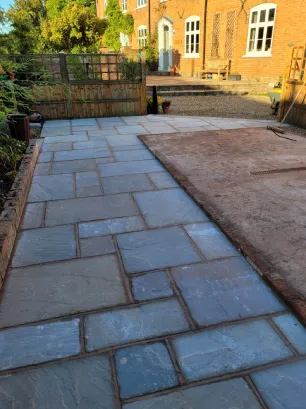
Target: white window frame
<point>142,40</point>
<point>189,34</point>
<point>124,6</point>
<point>258,25</point>
<point>141,3</point>
<point>124,40</point>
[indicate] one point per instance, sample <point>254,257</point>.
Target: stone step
<point>192,92</point>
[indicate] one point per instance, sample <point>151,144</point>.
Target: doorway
<point>165,33</point>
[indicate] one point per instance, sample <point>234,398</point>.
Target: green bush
<point>11,153</point>
<point>130,70</point>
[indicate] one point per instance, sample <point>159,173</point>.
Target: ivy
<point>117,23</point>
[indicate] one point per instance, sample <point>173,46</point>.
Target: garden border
<point>12,213</point>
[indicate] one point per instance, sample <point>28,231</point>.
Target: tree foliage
<point>117,23</point>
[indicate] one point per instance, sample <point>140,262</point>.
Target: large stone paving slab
<point>151,285</point>
<point>51,187</point>
<point>224,291</point>
<point>81,165</point>
<point>95,246</point>
<point>111,226</point>
<point>81,154</point>
<point>90,144</point>
<point>133,324</point>
<point>127,183</point>
<point>154,249</point>
<point>91,208</point>
<point>130,168</point>
<point>233,394</point>
<point>293,331</point>
<point>162,180</point>
<point>52,290</point>
<point>144,368</point>
<point>33,215</point>
<point>78,384</point>
<point>168,207</point>
<point>34,344</point>
<point>54,147</point>
<point>87,184</point>
<point>123,140</point>
<point>124,156</point>
<point>283,387</point>
<point>229,349</point>
<point>44,245</point>
<point>66,138</point>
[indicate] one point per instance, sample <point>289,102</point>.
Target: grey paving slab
<point>57,123</point>
<point>71,166</point>
<point>151,286</point>
<point>228,349</point>
<point>53,132</point>
<point>84,122</point>
<point>86,179</point>
<point>78,384</point>
<point>81,154</point>
<point>132,324</point>
<point>159,128</point>
<point>109,159</point>
<point>33,216</point>
<point>44,157</point>
<point>111,226</point>
<point>154,249</point>
<point>95,246</point>
<point>123,140</point>
<point>42,169</point>
<point>66,138</point>
<point>233,394</point>
<point>127,183</point>
<point>54,147</point>
<point>44,245</point>
<point>130,168</point>
<point>34,344</point>
<point>224,291</point>
<point>168,207</point>
<point>89,191</point>
<point>162,180</point>
<point>51,187</point>
<point>57,289</point>
<point>211,241</point>
<point>293,331</point>
<point>108,130</point>
<point>131,129</point>
<point>283,387</point>
<point>143,369</point>
<point>85,128</point>
<point>91,208</point>
<point>124,156</point>
<point>90,144</point>
<point>129,148</point>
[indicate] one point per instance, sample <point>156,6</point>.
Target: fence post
<point>65,79</point>
<point>155,102</point>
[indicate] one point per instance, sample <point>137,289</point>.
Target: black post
<point>155,104</point>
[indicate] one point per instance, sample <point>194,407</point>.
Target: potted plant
<point>172,70</point>
<point>166,106</point>
<point>234,77</point>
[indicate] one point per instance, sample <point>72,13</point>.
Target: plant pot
<point>166,109</point>
<point>234,77</point>
<point>19,125</point>
<point>172,72</point>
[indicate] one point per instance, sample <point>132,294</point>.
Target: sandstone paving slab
<point>78,384</point>
<point>126,183</point>
<point>211,241</point>
<point>283,387</point>
<point>91,208</point>
<point>130,168</point>
<point>62,288</point>
<point>42,169</point>
<point>90,144</point>
<point>168,207</point>
<point>224,291</point>
<point>66,138</point>
<point>31,345</point>
<point>123,140</point>
<point>235,393</point>
<point>96,246</point>
<point>45,157</point>
<point>293,331</point>
<point>81,154</point>
<point>81,165</point>
<point>51,187</point>
<point>143,369</point>
<point>54,147</point>
<point>111,226</point>
<point>133,324</point>
<point>162,180</point>
<point>43,245</point>
<point>130,156</point>
<point>229,349</point>
<point>155,249</point>
<point>150,286</point>
<point>33,216</point>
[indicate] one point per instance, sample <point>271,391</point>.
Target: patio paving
<point>123,294</point>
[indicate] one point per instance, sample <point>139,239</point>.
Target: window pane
<point>269,31</point>
<point>251,45</point>
<point>192,43</point>
<point>268,44</point>
<point>259,45</point>
<point>271,15</point>
<point>260,33</point>
<point>192,26</point>
<point>262,16</point>
<point>187,26</point>
<point>252,34</point>
<point>254,17</point>
<point>198,25</point>
<point>187,44</point>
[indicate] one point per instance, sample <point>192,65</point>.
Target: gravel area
<point>227,106</point>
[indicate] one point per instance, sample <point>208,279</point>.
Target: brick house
<point>252,34</point>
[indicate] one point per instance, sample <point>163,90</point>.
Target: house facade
<point>190,34</point>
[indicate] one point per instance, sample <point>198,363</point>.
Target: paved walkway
<point>122,293</point>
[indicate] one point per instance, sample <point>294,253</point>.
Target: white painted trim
<point>195,55</point>
<point>160,28</point>
<point>191,19</point>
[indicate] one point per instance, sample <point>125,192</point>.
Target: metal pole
<point>155,103</point>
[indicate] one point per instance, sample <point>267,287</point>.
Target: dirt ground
<point>264,214</point>
<point>227,106</point>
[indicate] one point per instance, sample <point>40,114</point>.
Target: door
<point>166,51</point>
<point>165,33</point>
